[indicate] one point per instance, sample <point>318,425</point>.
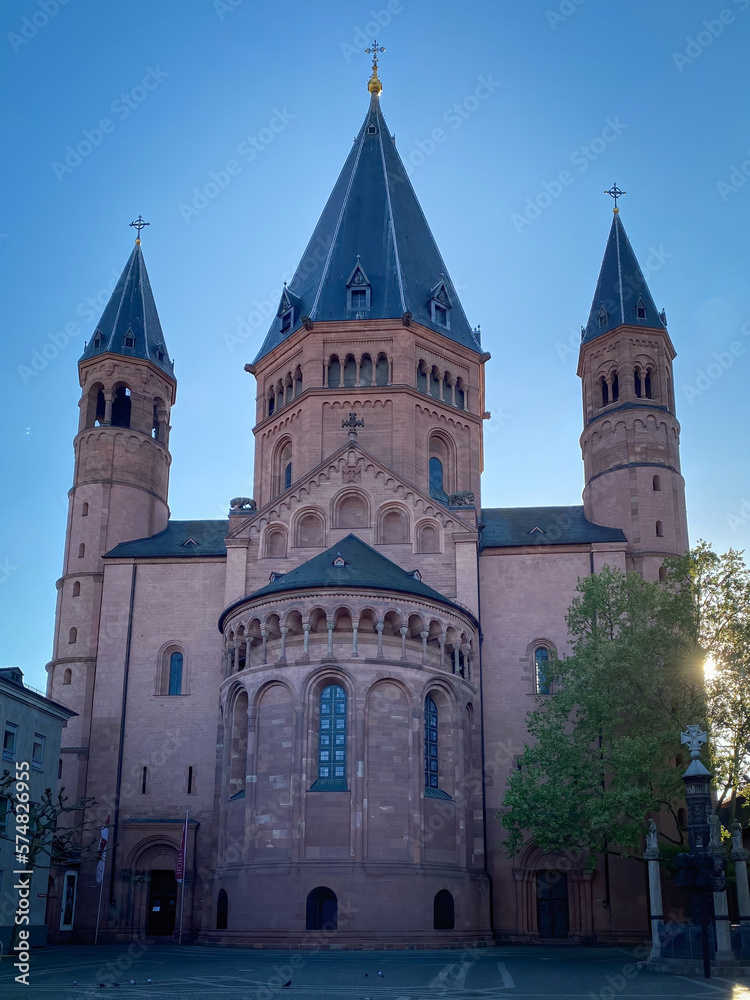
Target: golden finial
<point>374,85</point>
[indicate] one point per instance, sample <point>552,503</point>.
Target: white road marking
<point>508,983</point>
<point>702,982</point>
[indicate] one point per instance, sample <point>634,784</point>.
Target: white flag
<point>103,840</point>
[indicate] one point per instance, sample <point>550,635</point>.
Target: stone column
<point>739,855</point>
<point>441,639</point>
<point>284,631</point>
<point>306,648</point>
<point>248,647</point>
<point>379,629</point>
<point>355,636</point>
<point>424,634</point>
<point>329,625</point>
<point>456,647</point>
<point>724,951</point>
<point>236,661</point>
<point>403,629</point>
<point>651,855</point>
<point>108,399</point>
<point>264,635</point>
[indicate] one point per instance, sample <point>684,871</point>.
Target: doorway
<point>322,910</point>
<point>162,902</point>
<point>552,904</point>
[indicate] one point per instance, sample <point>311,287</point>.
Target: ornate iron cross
<point>139,224</point>
<point>352,423</point>
<point>694,737</point>
<point>374,50</point>
<point>615,192</point>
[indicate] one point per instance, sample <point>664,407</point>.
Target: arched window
<point>365,370</point>
<point>394,527</point>
<point>422,377</point>
<point>659,529</point>
<point>637,381</point>
<point>444,911</point>
<point>121,405</point>
<point>175,673</point>
<point>238,746</point>
<point>352,512</point>
<point>276,544</point>
<point>381,370</point>
<point>350,371</point>
<point>81,550</point>
<point>334,372</point>
<point>431,776</point>
<point>615,387</point>
<point>605,391</point>
<point>322,910</point>
<point>541,671</point>
<point>428,539</point>
<point>332,733</point>
<point>656,482</point>
<point>73,635</point>
<point>67,675</point>
<point>460,394</point>
<point>222,910</point>
<point>77,588</point>
<point>283,467</point>
<point>647,385</point>
<point>310,530</point>
<point>436,475</point>
<point>434,383</point>
<point>85,510</point>
<point>95,405</point>
<point>297,381</point>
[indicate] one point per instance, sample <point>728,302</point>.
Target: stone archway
<point>554,896</point>
<point>152,897</point>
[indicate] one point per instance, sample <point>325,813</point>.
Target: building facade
<point>334,679</point>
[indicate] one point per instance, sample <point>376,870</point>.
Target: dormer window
<point>640,309</point>
<point>287,320</point>
<point>97,341</point>
<point>603,317</point>
<point>358,291</point>
<point>128,341</point>
<point>440,305</point>
<point>160,355</point>
<point>372,129</point>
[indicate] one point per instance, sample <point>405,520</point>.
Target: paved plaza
<point>70,973</point>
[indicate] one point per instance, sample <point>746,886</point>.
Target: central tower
<point>350,775</point>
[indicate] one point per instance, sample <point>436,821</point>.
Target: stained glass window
<point>430,743</point>
<point>332,739</point>
<point>175,673</point>
<point>436,474</point>
<point>541,661</point>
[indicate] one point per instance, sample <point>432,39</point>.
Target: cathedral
<point>332,681</point>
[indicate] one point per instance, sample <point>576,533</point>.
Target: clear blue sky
<point>183,84</point>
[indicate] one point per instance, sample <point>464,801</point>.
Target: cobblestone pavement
<point>515,973</point>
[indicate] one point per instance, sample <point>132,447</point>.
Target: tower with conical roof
<point>120,484</point>
<point>630,440</point>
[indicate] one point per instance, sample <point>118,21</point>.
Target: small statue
<point>462,498</point>
<point>714,825</point>
<point>242,503</point>
<point>651,837</point>
<point>736,836</point>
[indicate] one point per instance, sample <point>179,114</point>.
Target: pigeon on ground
<point>148,981</point>
<point>381,974</point>
<point>132,982</point>
<point>75,982</point>
<point>284,985</point>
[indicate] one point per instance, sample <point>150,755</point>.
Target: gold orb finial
<point>374,85</point>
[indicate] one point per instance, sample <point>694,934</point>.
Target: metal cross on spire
<point>139,224</point>
<point>615,192</point>
<point>375,86</point>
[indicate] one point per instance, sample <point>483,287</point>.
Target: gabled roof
<point>620,286</point>
<point>506,527</point>
<point>131,311</point>
<point>373,213</point>
<point>363,567</point>
<point>185,539</point>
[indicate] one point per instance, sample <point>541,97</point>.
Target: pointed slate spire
<point>622,295</point>
<point>373,214</point>
<point>130,323</point>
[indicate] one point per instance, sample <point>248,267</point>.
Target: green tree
<point>602,747</point>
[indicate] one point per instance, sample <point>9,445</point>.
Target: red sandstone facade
<point>199,685</point>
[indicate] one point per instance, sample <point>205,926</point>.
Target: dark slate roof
<point>510,526</point>
<point>620,287</point>
<point>364,567</point>
<point>373,213</point>
<point>176,540</point>
<point>131,308</point>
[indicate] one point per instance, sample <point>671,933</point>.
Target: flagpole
<point>98,911</point>
<point>183,853</point>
